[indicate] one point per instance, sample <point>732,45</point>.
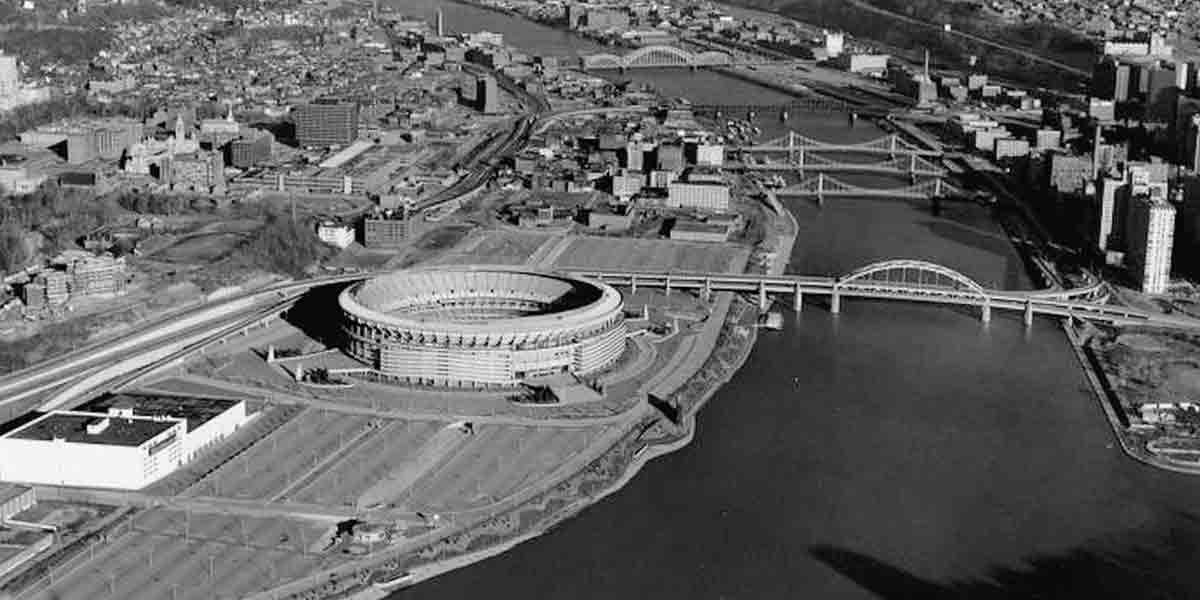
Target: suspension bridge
<point>823,186</point>
<point>912,165</point>
<point>902,280</point>
<point>793,143</point>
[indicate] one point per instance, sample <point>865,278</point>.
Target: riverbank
<point>651,437</point>
<point>1110,404</point>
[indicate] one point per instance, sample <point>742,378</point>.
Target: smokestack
<point>441,31</point>
<point>927,64</point>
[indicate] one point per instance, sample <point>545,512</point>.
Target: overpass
<point>904,280</point>
<point>891,145</point>
<point>663,57</point>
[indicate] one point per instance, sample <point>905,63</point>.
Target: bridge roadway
<point>1081,303</point>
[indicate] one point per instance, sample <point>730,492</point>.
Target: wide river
<point>894,451</point>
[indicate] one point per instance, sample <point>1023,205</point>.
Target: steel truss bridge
<point>823,186</point>
<point>903,280</point>
<point>793,143</point>
<point>658,57</point>
<point>913,166</point>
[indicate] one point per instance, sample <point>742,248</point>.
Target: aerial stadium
<point>481,326</point>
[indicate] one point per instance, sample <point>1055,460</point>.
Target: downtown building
<point>326,123</point>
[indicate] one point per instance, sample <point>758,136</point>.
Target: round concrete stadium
<point>482,326</point>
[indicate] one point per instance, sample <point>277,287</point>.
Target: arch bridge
<point>906,280</point>
<point>655,57</point>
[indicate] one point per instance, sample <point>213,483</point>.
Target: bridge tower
<point>800,161</point>
<point>798,299</point>
<point>821,188</point>
<point>762,295</point>
<point>912,168</point>
<point>937,187</point>
<point>706,292</point>
<point>892,146</point>
<point>791,146</point>
<point>668,285</point>
<point>633,285</point>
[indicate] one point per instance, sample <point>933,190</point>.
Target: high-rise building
<point>1150,236</point>
<point>10,75</point>
<point>326,123</point>
<point>1109,195</point>
<point>252,148</point>
<point>487,95</point>
<point>389,230</point>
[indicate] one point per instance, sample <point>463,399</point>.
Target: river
<point>893,451</point>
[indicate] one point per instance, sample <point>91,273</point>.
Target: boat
<point>403,580</point>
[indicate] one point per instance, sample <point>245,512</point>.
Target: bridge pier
<point>633,285</point>
<point>762,295</point>
<point>798,299</point>
<point>706,293</point>
<point>668,287</point>
<point>892,146</point>
<point>986,314</point>
<point>835,302</point>
<point>1028,313</point>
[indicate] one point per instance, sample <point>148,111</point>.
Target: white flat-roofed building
<point>710,155</point>
<point>703,196</point>
<point>92,450</point>
<point>335,234</point>
<point>123,442</point>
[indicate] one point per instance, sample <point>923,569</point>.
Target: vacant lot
<point>170,554</point>
<point>610,253</point>
<point>497,248</point>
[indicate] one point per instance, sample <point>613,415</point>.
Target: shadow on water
<point>1143,565</point>
<point>991,242</point>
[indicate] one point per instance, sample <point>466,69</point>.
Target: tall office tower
<point>487,95</point>
<point>10,75</point>
<point>1193,145</point>
<point>1151,236</point>
<point>325,123</point>
<point>1109,191</point>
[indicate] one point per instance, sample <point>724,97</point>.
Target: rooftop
<point>196,411</point>
<point>73,427</point>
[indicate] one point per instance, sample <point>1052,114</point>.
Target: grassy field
<point>170,554</point>
<point>609,253</point>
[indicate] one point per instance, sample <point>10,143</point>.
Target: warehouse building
<point>123,441</point>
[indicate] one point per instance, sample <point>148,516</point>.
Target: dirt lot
<point>608,253</point>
